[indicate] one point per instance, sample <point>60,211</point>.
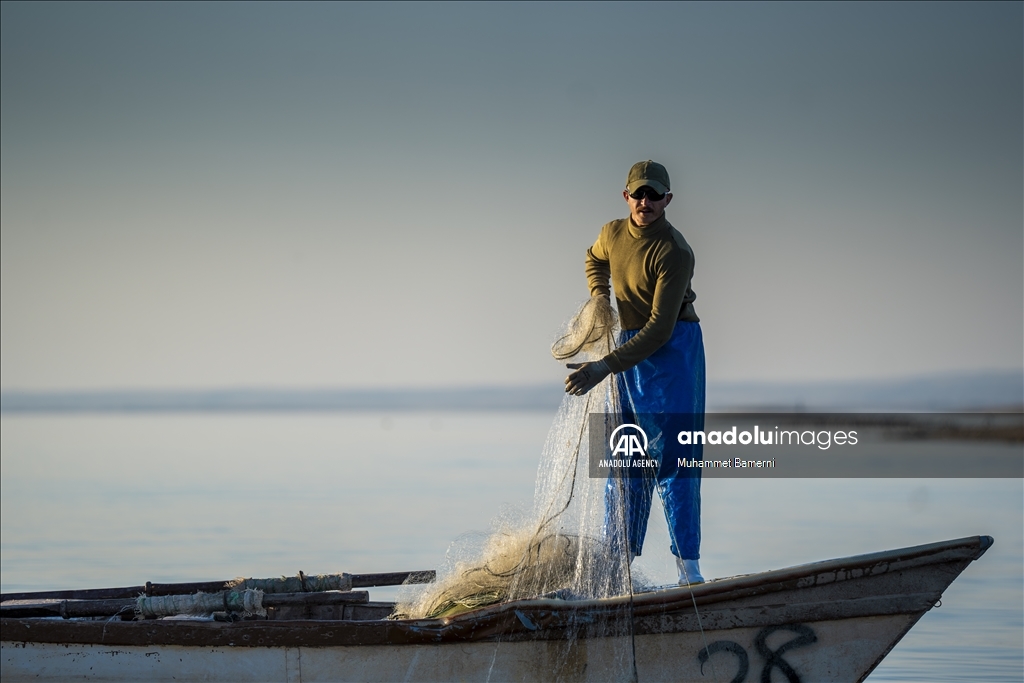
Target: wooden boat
<point>828,621</point>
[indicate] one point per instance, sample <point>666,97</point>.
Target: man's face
<point>644,209</point>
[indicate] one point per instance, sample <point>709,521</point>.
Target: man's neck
<point>653,226</point>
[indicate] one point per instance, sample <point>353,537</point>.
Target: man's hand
<point>586,377</point>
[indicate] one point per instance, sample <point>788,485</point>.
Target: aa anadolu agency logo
<point>623,449</point>
<point>626,452</point>
<point>628,441</point>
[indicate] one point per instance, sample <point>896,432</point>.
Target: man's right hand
<point>586,377</point>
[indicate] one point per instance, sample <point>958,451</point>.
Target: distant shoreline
<point>989,392</point>
<point>534,398</point>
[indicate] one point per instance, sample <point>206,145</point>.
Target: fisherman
<point>659,362</point>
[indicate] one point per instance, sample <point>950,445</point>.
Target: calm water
<point>88,501</point>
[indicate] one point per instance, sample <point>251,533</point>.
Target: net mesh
<point>591,331</point>
<point>564,546</point>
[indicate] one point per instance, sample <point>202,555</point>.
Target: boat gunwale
<point>744,585</point>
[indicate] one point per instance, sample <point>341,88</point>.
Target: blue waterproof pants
<point>669,382</point>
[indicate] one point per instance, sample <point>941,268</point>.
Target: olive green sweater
<point>651,267</point>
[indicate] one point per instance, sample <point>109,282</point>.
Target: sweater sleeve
<point>673,278</point>
<point>598,270</point>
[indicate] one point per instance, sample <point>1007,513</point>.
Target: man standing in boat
<point>659,363</point>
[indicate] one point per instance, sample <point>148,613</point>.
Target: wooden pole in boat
<point>112,607</point>
<point>358,581</point>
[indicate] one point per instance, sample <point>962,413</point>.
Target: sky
<point>386,195</point>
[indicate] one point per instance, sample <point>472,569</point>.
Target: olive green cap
<point>649,173</point>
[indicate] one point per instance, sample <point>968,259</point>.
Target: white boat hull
<point>839,648</point>
<point>827,621</point>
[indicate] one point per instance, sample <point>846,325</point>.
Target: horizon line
<point>288,388</point>
<point>938,392</point>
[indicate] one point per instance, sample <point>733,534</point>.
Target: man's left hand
<point>586,376</point>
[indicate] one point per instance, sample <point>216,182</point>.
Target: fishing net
<point>590,331</point>
<point>564,546</point>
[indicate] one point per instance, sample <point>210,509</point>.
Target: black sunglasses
<point>648,192</point>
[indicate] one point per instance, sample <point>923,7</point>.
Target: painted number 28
<point>772,658</point>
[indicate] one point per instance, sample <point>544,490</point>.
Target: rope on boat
<point>248,601</point>
<point>242,595</point>
<point>714,674</point>
<point>295,584</point>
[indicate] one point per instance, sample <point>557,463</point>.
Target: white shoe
<point>689,572</point>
